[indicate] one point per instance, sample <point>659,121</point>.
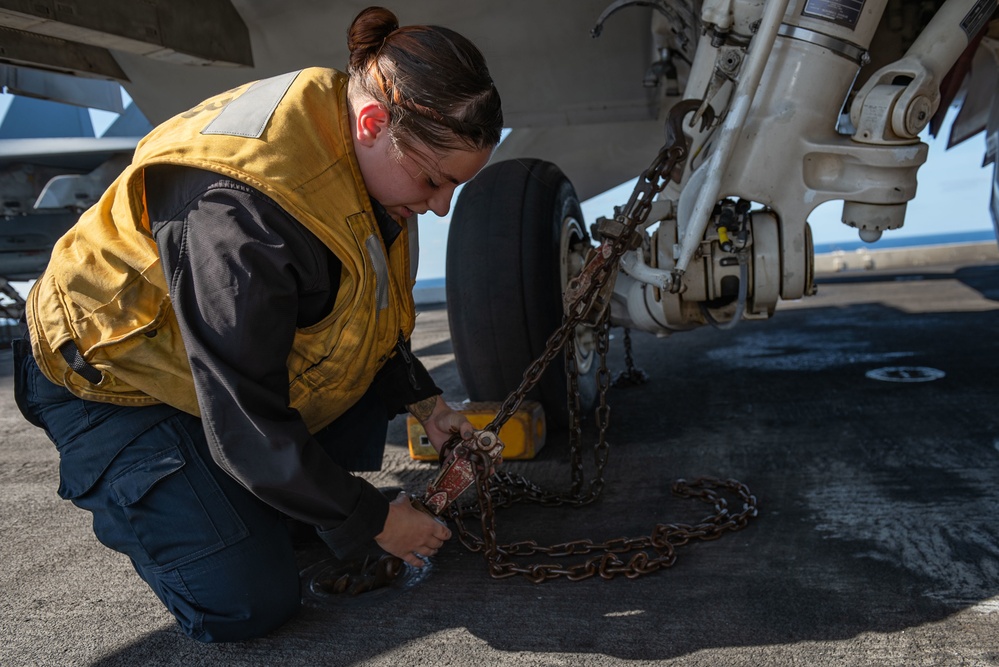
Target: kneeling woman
<point>224,336</point>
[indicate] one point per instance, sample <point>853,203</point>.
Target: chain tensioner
<point>585,301</point>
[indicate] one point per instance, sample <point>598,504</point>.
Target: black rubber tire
<point>504,291</point>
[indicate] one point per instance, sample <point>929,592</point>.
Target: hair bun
<point>433,81</point>
<point>367,33</point>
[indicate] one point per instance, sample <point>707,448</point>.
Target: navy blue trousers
<point>220,559</point>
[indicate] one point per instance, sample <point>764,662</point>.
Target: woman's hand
<point>410,534</point>
<point>439,421</point>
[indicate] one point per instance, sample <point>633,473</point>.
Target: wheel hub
<point>574,250</point>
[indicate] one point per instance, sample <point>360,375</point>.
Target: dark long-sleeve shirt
<point>242,275</point>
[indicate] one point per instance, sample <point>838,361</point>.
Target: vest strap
<point>71,353</point>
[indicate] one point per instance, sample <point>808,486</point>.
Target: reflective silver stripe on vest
<point>374,246</point>
<point>247,115</point>
<point>413,230</point>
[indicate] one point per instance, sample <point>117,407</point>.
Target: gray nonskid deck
<point>876,542</point>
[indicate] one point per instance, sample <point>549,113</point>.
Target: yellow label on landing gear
<point>523,435</point>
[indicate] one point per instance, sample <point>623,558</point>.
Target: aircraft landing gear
<point>516,238</point>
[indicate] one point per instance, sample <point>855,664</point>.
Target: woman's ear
<point>372,119</point>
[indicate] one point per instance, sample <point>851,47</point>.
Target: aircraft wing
<point>46,181</point>
<point>550,71</point>
<point>72,153</point>
<point>547,67</point>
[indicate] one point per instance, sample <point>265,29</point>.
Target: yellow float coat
<point>104,288</point>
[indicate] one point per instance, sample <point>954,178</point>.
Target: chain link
<point>631,375</point>
<point>631,557</point>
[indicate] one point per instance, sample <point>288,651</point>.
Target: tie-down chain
<point>472,461</point>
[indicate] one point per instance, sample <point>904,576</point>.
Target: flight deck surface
<point>876,541</point>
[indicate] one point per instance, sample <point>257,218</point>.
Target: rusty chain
<point>501,489</point>
<point>631,374</point>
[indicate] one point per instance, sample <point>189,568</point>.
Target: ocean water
<point>846,246</point>
<point>909,241</point>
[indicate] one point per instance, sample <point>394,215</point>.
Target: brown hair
<point>433,81</point>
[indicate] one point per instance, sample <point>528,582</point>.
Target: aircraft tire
<point>504,282</point>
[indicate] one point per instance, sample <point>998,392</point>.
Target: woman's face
<point>412,182</point>
<point>408,181</point>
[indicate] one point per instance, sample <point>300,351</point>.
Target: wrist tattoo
<point>423,409</point>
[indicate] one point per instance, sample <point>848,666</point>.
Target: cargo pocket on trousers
<point>176,509</point>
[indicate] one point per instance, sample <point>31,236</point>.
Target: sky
<point>952,196</point>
